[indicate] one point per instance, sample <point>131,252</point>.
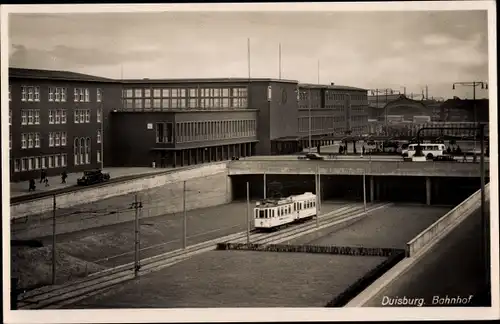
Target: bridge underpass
<point>453,267</point>
<point>408,189</point>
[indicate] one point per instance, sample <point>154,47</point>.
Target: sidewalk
<point>18,189</point>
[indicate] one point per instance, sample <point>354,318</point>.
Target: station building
<point>58,121</point>
<point>69,121</point>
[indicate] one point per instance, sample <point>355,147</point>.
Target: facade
<point>457,110</point>
<point>56,121</point>
<point>64,121</point>
<point>183,122</point>
<point>332,110</point>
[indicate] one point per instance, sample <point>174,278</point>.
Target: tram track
<point>59,296</point>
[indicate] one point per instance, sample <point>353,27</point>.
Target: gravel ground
<point>240,279</point>
<point>453,267</point>
<point>391,227</point>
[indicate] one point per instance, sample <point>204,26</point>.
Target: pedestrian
<point>32,185</point>
<point>363,149</point>
<point>465,157</point>
<point>64,175</point>
<point>43,175</point>
<point>46,181</point>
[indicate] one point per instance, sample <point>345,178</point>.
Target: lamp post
<point>472,84</point>
<point>310,131</point>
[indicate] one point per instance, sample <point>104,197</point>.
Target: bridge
<point>377,167</point>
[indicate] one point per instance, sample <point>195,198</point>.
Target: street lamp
<point>473,84</point>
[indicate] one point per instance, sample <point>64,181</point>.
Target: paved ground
<point>391,227</point>
<point>240,279</point>
<point>158,234</point>
<point>21,188</point>
<point>453,267</point>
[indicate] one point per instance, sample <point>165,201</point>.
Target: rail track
<point>55,297</point>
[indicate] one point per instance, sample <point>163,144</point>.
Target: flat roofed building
<point>58,121</point>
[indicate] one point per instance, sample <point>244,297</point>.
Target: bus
<point>429,150</point>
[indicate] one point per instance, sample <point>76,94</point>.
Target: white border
<point>253,314</point>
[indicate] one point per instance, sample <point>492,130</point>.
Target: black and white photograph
<point>249,162</point>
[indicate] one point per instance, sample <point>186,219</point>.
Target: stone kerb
<point>450,219</point>
<point>89,195</point>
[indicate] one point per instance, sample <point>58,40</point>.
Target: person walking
<point>43,175</point>
<point>32,185</point>
<point>64,175</point>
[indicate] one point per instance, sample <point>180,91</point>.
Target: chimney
<point>332,83</point>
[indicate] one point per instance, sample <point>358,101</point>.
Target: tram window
<point>289,209</point>
<point>273,213</point>
<point>262,214</point>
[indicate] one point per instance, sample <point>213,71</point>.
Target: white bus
<point>429,150</point>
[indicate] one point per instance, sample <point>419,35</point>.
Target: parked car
<point>311,156</point>
<point>93,177</point>
<point>443,158</point>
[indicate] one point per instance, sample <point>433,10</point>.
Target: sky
<point>363,49</point>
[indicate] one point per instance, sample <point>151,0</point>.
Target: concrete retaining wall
<point>445,223</point>
<point>380,168</point>
<point>90,195</point>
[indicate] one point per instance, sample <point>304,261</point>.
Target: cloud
<point>436,40</point>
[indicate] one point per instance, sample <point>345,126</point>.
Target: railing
<point>440,226</point>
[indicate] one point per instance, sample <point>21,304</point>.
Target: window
<point>157,93</point>
<point>98,156</point>
<point>77,116</point>
<point>51,116</point>
<point>76,94</point>
<point>87,151</point>
<point>51,94</point>
<point>147,93</point>
<point>30,93</point>
<point>138,93</point>
<point>24,117</point>
<point>165,93</point>
<point>99,115</point>
<point>58,94</point>
<point>51,161</point>
<point>98,136</point>
<point>56,161</point>
<point>87,96</point>
<point>82,95</point>
<point>31,140</point>
<point>63,94</point>
<point>82,116</point>
<point>17,165</point>
<point>37,140</point>
<point>37,162</point>
<point>63,138</point>
<point>10,141</point>
<point>64,159</point>
<point>23,93</point>
<point>147,103</point>
<point>99,95</point>
<point>82,150</point>
<point>37,93</point>
<point>51,139</point>
<point>129,93</point>
<point>58,116</point>
<point>63,116</point>
<point>157,103</point>
<point>58,139</point>
<point>75,151</point>
<point>24,141</point>
<point>31,162</point>
<point>30,117</point>
<point>10,93</point>
<point>87,116</point>
<point>138,104</point>
<point>36,117</point>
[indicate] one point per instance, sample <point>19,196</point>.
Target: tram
<point>273,213</point>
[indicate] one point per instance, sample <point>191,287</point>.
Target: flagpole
<point>248,47</point>
<point>280,61</point>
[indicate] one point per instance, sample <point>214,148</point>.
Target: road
<point>390,227</point>
<point>453,267</point>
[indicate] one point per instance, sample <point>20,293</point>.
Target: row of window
<point>283,210</point>
<point>56,116</point>
<point>56,139</point>
<point>320,123</point>
<point>40,162</point>
<point>179,103</point>
<point>205,130</point>
<point>55,94</point>
<point>183,92</point>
